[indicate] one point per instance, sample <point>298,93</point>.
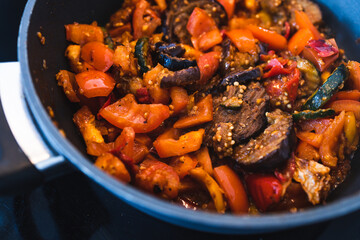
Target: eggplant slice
<point>177,18</point>
<point>233,60</point>
<point>182,78</point>
<point>271,148</point>
<point>232,126</point>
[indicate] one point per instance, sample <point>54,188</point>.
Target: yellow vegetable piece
<point>215,191</point>
<point>350,128</point>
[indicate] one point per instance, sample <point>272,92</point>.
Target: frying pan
<point>39,64</point>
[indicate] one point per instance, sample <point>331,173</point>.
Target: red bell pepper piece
<point>292,84</point>
<point>265,190</point>
<point>208,64</point>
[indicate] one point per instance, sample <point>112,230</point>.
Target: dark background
<point>61,209</point>
<point>10,15</point>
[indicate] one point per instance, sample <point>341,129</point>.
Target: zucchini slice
<point>310,75</point>
<point>309,114</point>
<point>142,54</point>
<point>333,84</point>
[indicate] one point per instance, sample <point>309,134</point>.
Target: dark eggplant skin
<point>224,66</point>
<point>172,49</point>
<point>182,78</point>
<point>233,60</point>
<point>174,26</point>
<point>247,121</point>
<point>242,77</point>
<point>270,149</point>
<point>175,63</point>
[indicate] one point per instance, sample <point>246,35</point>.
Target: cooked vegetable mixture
<point>234,106</point>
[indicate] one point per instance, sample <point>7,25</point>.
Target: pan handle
<point>25,158</point>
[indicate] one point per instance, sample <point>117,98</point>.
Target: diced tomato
<point>274,88</point>
<point>203,29</point>
<point>292,84</point>
<point>113,166</point>
<point>201,113</point>
<point>243,40</point>
<point>265,190</point>
<point>229,6</point>
<point>171,144</point>
<point>83,33</point>
<point>180,99</point>
<point>200,22</point>
<point>233,188</point>
<point>125,142</point>
<point>141,117</point>
<point>183,164</point>
<point>277,68</point>
<point>208,64</point>
<point>95,84</point>
<point>152,81</point>
<point>145,21</point>
<point>207,40</point>
<point>158,178</point>
<point>97,55</point>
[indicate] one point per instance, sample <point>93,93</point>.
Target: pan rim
<point>158,208</point>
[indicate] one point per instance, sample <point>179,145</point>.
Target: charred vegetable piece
<point>333,84</point>
<point>172,49</point>
<point>309,114</point>
<point>175,63</point>
<point>182,78</point>
<point>242,77</point>
<point>310,75</point>
<point>230,127</point>
<point>178,16</point>
<point>234,60</point>
<point>272,148</point>
<point>142,54</point>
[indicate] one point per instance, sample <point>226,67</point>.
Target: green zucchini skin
<point>175,63</point>
<point>309,114</point>
<point>333,84</point>
<point>233,103</point>
<point>142,54</point>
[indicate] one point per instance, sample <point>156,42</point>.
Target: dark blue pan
<point>41,90</point>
